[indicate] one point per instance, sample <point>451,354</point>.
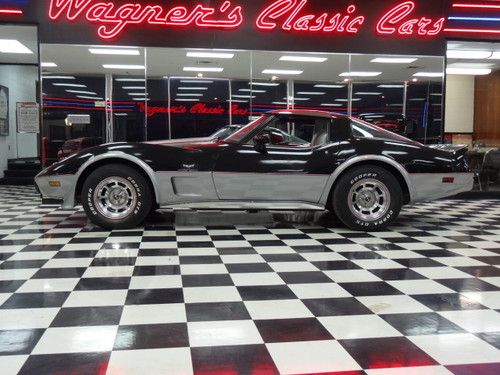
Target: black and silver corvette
<point>284,160</point>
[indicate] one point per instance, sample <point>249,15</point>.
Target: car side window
<point>299,131</point>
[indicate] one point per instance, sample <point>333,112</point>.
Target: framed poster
<point>4,111</point>
<point>28,117</point>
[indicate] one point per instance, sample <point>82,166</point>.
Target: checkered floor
<point>263,293</point>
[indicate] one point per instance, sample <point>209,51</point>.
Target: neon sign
<point>285,15</point>
<point>198,109</point>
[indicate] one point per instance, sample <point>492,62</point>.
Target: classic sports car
<point>361,172</point>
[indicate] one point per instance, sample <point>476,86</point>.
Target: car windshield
<point>239,135</point>
<point>226,131</point>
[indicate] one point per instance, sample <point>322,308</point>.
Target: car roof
<point>305,112</point>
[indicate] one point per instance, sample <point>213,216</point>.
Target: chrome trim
<point>430,186</point>
<point>359,159</point>
<point>245,205</point>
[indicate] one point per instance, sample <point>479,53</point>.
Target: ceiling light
<point>68,85</point>
<point>141,99</point>
<point>394,60</point>
<point>346,100</point>
<point>57,77</point>
<point>330,86</point>
<point>311,93</point>
<point>303,59</point>
<point>495,56</point>
<point>368,93</point>
<point>211,55</point>
<point>188,94</point>
<point>282,71</point>
<point>194,80</point>
<point>123,66</point>
<point>244,96</point>
<point>253,91</point>
<point>279,103</point>
<point>114,51</point>
<point>237,101</point>
<point>395,105</point>
<point>331,105</point>
<point>192,88</point>
<point>130,79</point>
<point>391,86</point>
<point>299,99</point>
<point>89,97</point>
<point>48,65</point>
<point>82,92</point>
<point>469,71</point>
<point>416,99</point>
<point>360,74</point>
<point>186,100</point>
<point>460,54</point>
<point>202,69</point>
<point>121,114</point>
<point>429,74</point>
<point>137,94</point>
<point>273,84</point>
<point>13,46</point>
<point>134,88</point>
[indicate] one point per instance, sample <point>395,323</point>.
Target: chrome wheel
<point>369,199</point>
<point>115,197</point>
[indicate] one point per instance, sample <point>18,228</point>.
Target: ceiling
<point>490,63</point>
<point>27,36</point>
<point>245,65</point>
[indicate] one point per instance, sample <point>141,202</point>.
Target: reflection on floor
<point>239,293</point>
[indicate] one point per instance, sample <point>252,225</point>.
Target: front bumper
<point>432,186</point>
<point>57,187</point>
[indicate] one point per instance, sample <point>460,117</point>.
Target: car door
<point>289,168</point>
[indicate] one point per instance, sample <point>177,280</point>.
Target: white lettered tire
<point>116,196</point>
<point>367,198</point>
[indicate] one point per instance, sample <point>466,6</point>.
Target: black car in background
<point>394,122</point>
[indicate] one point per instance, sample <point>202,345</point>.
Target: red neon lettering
<point>288,15</point>
<point>199,108</point>
<point>112,18</point>
<point>396,21</point>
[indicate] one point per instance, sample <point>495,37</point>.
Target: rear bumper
<point>431,186</point>
<point>64,193</point>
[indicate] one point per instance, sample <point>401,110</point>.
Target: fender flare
<point>362,159</point>
<point>120,155</point>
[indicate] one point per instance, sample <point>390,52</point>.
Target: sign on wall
<point>4,111</point>
<point>28,117</point>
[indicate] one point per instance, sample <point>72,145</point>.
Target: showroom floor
<point>239,293</point>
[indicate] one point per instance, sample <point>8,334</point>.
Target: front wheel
<point>116,197</point>
<point>367,198</point>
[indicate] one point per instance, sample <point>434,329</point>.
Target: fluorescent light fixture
<point>253,91</point>
<point>130,79</point>
<point>300,99</point>
<point>14,46</point>
<point>279,103</point>
<point>188,94</point>
<point>89,97</point>
<point>114,51</point>
<point>48,65</point>
<point>360,74</point>
<point>68,85</point>
<point>394,60</point>
<point>123,66</point>
<point>324,86</point>
<point>192,88</point>
<point>395,105</point>
<point>194,80</point>
<point>202,69</point>
<point>429,74</point>
<point>468,71</point>
<point>283,72</point>
<point>134,88</point>
<point>495,56</point>
<point>82,92</point>
<point>461,54</point>
<point>58,77</point>
<point>314,59</point>
<point>211,55</point>
<point>186,100</point>
<point>346,100</point>
<point>142,99</point>
<point>244,96</point>
<point>270,84</point>
<point>416,99</point>
<point>237,101</point>
<point>311,93</point>
<point>368,93</point>
<point>436,94</point>
<point>391,86</point>
<point>121,114</point>
<point>137,94</point>
<point>331,105</point>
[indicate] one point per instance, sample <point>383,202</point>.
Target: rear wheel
<point>367,198</point>
<point>116,197</point>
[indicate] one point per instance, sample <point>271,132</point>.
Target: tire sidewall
<point>140,211</point>
<point>341,198</point>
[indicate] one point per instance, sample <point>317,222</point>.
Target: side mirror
<point>260,142</point>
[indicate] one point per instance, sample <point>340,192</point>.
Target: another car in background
<point>73,146</point>
<point>394,122</point>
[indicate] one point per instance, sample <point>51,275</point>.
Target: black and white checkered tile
<point>237,293</point>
